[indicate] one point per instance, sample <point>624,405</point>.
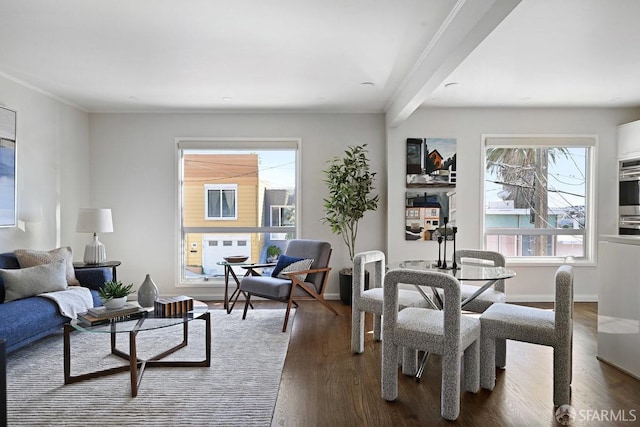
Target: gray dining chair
<point>371,300</point>
<point>495,294</point>
<point>537,326</point>
<point>445,332</point>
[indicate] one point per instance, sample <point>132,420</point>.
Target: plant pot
<point>346,284</point>
<point>115,303</point>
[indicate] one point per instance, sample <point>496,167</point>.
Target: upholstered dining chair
<point>301,273</point>
<point>495,294</point>
<point>537,326</point>
<point>445,332</point>
<point>370,300</point>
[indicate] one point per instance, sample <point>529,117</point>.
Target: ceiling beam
<point>469,22</point>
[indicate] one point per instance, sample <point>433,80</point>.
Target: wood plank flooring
<point>324,384</point>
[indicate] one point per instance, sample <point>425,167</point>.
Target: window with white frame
<point>221,201</point>
<point>538,197</point>
<point>282,216</point>
<point>233,196</point>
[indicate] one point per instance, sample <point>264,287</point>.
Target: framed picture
<point>425,213</point>
<point>8,194</point>
<point>431,162</point>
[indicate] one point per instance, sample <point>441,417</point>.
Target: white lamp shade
<point>94,221</point>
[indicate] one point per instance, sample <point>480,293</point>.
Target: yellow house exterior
<point>200,170</point>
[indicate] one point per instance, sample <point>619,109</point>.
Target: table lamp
<point>94,221</point>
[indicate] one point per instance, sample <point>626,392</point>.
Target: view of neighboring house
<point>220,190</point>
<point>225,191</point>
<point>503,215</point>
<point>278,211</point>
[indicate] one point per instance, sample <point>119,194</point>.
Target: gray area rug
<point>239,389</point>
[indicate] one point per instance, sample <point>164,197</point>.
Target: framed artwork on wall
<point>424,214</point>
<point>8,194</point>
<point>431,162</point>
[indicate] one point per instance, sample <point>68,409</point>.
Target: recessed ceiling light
<point>133,98</point>
<point>367,84</point>
<point>450,84</point>
<point>226,98</point>
<point>525,98</point>
<point>321,99</point>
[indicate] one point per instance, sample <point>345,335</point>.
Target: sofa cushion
<point>31,281</point>
<point>31,258</point>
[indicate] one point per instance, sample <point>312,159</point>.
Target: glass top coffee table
<point>136,366</point>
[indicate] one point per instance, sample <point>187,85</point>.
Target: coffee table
<point>136,366</point>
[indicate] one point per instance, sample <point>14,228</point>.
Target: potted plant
<point>350,183</point>
<point>273,252</point>
<point>114,294</point>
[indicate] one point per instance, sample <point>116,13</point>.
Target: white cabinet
<point>629,140</point>
<point>619,303</point>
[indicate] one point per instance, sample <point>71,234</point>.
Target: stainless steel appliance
<point>629,197</point>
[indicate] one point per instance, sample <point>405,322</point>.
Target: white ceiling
<point>310,55</point>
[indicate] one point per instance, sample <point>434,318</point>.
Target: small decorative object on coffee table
<point>114,294</point>
<point>147,292</point>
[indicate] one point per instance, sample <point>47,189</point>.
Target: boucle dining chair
<point>495,294</point>
<point>537,326</point>
<point>370,300</point>
<point>445,332</point>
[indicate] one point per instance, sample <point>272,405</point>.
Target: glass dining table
<point>465,272</point>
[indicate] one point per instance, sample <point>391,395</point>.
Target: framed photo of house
<point>8,193</point>
<point>424,214</point>
<point>431,162</point>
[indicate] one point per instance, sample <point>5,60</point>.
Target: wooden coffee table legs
<point>137,366</point>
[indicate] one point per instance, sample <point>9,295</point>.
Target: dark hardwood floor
<point>324,384</point>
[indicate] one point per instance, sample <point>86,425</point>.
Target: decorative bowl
<point>236,259</point>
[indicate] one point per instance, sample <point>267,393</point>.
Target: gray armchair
<point>537,326</point>
<point>290,286</point>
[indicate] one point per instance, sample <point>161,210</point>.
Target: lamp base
<point>94,252</point>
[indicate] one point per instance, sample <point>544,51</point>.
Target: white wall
<point>467,125</point>
<point>52,146</point>
<point>133,172</point>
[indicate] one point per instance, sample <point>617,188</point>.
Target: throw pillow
<point>283,262</point>
<point>27,282</point>
<point>302,265</point>
<point>29,258</point>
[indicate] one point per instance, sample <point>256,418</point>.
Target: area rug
<point>239,389</point>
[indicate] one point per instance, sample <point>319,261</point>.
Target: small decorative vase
<point>147,292</point>
<point>115,303</point>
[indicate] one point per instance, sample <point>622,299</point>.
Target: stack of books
<point>102,315</point>
<point>172,306</point>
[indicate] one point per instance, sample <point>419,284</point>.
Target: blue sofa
<point>29,319</point>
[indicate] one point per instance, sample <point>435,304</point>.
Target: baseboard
<point>549,298</point>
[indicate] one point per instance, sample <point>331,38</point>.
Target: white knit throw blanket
<point>71,301</point>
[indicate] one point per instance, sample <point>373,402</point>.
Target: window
<point>220,201</point>
<point>282,216</point>
<point>236,198</point>
<point>538,197</point>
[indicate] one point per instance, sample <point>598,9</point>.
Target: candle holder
<point>455,231</point>
<point>439,251</point>
<point>444,261</point>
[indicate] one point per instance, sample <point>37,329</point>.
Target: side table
<point>109,264</point>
